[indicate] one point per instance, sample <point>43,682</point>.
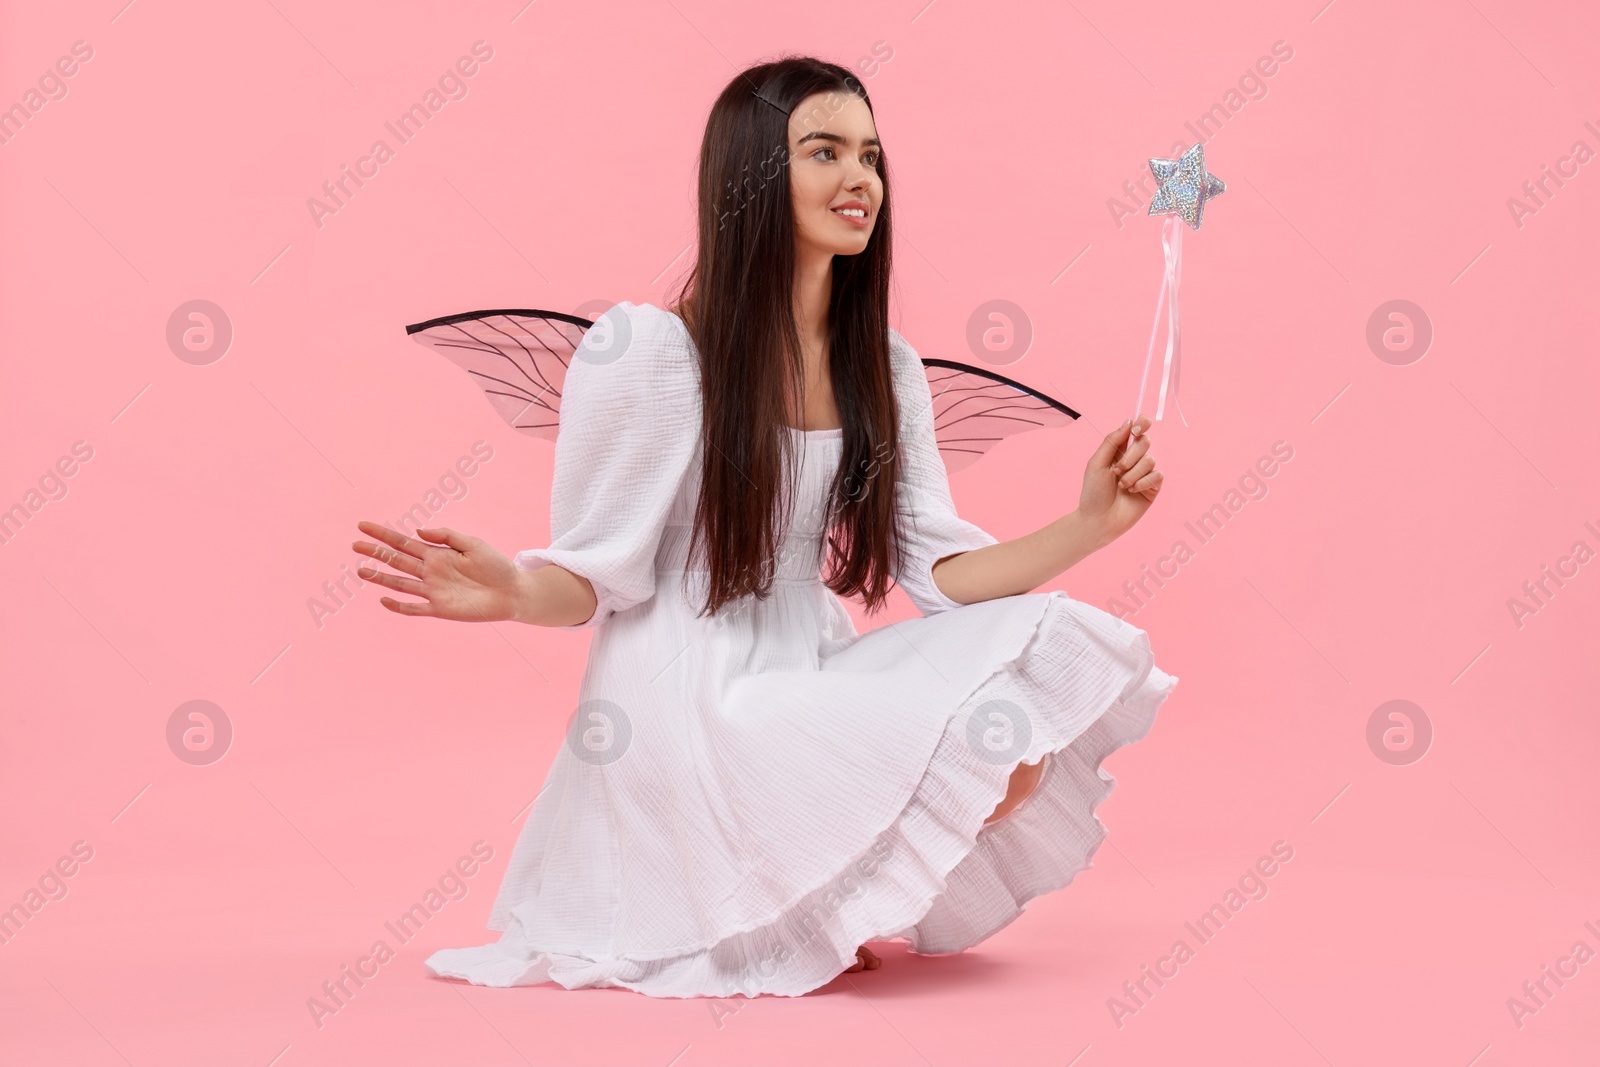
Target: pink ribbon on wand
<point>1172,248</point>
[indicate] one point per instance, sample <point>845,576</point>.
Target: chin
<point>848,247</point>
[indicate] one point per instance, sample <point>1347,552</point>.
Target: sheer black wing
<point>519,358</point>
<point>974,409</point>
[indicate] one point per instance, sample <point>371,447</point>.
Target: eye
<point>873,156</point>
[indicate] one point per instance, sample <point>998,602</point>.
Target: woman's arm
<point>628,435</point>
<point>1017,566</point>
<point>463,578</point>
<point>1118,487</point>
<point>552,596</point>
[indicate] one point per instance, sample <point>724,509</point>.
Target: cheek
<point>809,190</point>
<point>810,199</point>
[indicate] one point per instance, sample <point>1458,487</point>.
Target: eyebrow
<point>821,135</point>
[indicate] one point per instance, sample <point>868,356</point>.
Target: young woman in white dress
<point>779,345</point>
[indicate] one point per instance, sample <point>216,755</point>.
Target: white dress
<point>743,800</point>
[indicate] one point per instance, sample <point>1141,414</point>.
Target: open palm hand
<point>458,576</point>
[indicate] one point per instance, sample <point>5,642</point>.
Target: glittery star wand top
<point>1185,187</point>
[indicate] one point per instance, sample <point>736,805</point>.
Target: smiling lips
<point>853,212</point>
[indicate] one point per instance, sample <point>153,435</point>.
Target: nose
<point>861,179</point>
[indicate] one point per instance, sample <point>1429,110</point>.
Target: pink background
<point>371,752</point>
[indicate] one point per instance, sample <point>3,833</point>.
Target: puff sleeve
<point>629,429</point>
<point>922,493</point>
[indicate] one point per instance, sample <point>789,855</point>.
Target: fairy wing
<point>974,409</point>
<point>519,358</point>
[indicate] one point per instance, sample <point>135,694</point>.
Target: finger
<point>384,554</point>
<point>442,535</point>
<point>392,581</point>
<point>406,607</point>
<point>1149,485</point>
<point>1132,475</point>
<point>1141,426</point>
<point>1137,447</point>
<point>394,540</point>
<point>1110,446</point>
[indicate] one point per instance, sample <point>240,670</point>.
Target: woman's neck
<point>813,289</point>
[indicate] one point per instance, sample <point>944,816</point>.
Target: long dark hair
<point>738,304</point>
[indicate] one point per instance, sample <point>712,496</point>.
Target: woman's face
<point>833,173</point>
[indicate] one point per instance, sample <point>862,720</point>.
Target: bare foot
<point>866,960</point>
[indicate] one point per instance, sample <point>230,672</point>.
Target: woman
<point>751,789</point>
